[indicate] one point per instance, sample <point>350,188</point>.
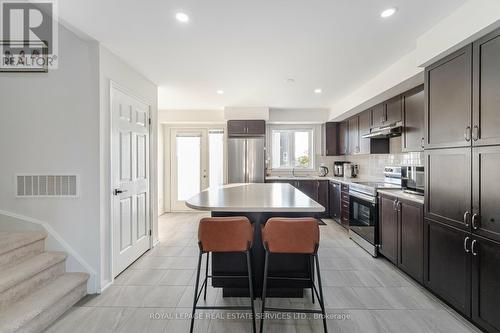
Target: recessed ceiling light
<point>318,91</point>
<point>290,80</point>
<point>388,12</point>
<point>182,17</point>
<point>220,92</point>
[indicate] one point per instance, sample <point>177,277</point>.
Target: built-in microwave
<point>413,179</point>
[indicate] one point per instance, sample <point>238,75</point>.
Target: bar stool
<point>292,236</point>
<point>224,234</point>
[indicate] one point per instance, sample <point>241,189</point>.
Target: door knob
<point>118,191</point>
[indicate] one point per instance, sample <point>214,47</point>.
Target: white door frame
<point>114,85</point>
<point>173,167</point>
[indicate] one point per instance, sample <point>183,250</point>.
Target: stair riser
<point>28,286</point>
<point>45,319</point>
<point>12,257</point>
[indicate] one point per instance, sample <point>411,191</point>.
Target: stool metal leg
<point>322,299</point>
<point>264,290</point>
<point>206,277</point>
<point>195,299</point>
<point>250,287</point>
<point>311,273</point>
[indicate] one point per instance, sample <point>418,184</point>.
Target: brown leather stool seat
<point>293,236</point>
<point>224,234</point>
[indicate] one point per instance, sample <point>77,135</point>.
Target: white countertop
<point>403,195</point>
<point>342,180</point>
<point>262,197</point>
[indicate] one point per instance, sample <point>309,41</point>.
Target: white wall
<point>50,124</point>
<point>112,68</point>
<point>190,116</point>
<point>473,19</point>
<point>298,116</point>
<point>243,113</point>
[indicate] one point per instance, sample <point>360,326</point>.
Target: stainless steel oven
<point>363,221</point>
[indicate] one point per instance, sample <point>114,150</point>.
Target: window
<point>292,148</point>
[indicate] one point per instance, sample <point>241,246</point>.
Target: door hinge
<point>150,232</point>
<point>149,120</point>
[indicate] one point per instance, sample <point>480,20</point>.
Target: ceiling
<point>250,48</point>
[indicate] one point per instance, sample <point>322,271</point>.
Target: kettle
<point>322,170</point>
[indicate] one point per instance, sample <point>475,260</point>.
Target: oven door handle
<point>363,197</point>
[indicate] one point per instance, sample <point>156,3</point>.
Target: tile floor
<point>362,294</point>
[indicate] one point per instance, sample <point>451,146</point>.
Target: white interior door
<point>130,177</point>
<point>189,168</point>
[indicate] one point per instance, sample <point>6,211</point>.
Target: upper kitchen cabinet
<point>386,113</point>
<point>413,120</point>
<point>331,138</point>
<point>364,128</point>
<point>246,128</point>
<point>378,115</point>
<point>354,135</point>
<point>486,92</point>
<point>448,186</point>
<point>343,138</point>
<point>485,220</point>
<point>393,108</point>
<point>449,86</point>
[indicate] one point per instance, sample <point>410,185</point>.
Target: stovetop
<point>370,188</point>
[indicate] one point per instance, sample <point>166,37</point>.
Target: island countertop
<point>260,197</point>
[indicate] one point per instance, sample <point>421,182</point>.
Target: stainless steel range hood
<point>384,132</point>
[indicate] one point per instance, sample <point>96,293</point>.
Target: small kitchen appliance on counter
<point>351,170</point>
<point>323,170</point>
<point>412,179</point>
<point>338,168</point>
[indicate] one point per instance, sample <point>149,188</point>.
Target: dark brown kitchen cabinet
<point>485,278</point>
<point>411,238</point>
<point>353,135</point>
<point>246,127</point>
<point>378,115</point>
<point>393,108</point>
<point>335,200</point>
<point>331,139</point>
<point>343,138</point>
<point>485,220</point>
<point>388,228</point>
<point>448,186</point>
<point>323,199</point>
<point>486,100</point>
<point>309,188</point>
<point>364,128</point>
<point>413,120</point>
<point>448,101</point>
<point>447,264</point>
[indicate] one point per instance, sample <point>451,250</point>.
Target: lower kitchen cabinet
<point>388,228</point>
<point>411,239</point>
<point>344,205</point>
<point>486,283</point>
<point>401,231</point>
<point>323,198</point>
<point>309,188</point>
<point>447,264</point>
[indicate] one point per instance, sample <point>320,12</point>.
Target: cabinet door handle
<point>466,218</point>
<point>467,133</point>
<point>400,206</point>
<point>473,246</point>
<point>395,205</point>
<point>474,217</point>
<point>422,143</point>
<point>466,241</point>
<point>475,133</point>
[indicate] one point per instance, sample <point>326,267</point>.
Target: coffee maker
<point>338,168</point>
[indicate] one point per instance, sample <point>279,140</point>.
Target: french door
<point>197,162</point>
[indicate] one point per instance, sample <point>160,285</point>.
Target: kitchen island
<point>258,202</point>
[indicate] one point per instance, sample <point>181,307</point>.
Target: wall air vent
<point>46,186</point>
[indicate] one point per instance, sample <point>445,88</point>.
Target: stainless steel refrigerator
<point>246,160</point>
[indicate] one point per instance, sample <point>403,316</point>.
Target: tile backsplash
<point>371,165</point>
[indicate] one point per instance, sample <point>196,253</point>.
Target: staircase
<point>34,286</point>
